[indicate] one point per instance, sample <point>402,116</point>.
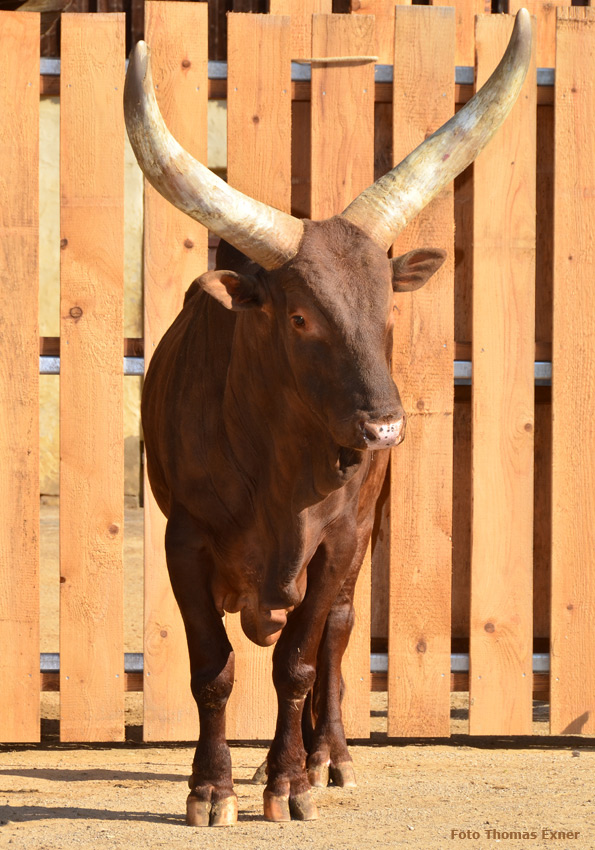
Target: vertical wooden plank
<point>343,166</point>
<point>380,569</point>
<point>259,107</point>
<point>573,458</point>
<point>301,12</point>
<point>91,406</point>
<point>545,14</point>
<point>175,253</point>
<point>384,12</point>
<point>19,377</point>
<point>355,667</point>
<point>465,10</point>
<point>342,150</point>
<point>502,409</point>
<point>380,556</point>
<point>421,468</point>
<point>258,164</point>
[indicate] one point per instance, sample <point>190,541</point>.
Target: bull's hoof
<point>276,807</point>
<point>343,775</point>
<point>205,813</point>
<point>303,807</point>
<point>283,807</point>
<point>260,774</point>
<point>224,812</point>
<point>197,812</point>
<point>318,775</point>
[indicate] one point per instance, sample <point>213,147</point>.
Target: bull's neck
<point>279,442</point>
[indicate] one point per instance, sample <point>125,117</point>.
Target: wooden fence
<point>485,536</point>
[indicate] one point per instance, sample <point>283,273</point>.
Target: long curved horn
<point>385,208</point>
<point>266,235</point>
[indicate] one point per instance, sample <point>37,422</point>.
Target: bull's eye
<point>298,321</point>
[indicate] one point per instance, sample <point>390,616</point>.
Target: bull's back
<point>183,391</point>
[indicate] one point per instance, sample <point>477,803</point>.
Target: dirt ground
<point>479,793</point>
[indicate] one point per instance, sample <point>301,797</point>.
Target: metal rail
<point>462,369</point>
<point>131,365</point>
<point>459,662</point>
<point>300,73</point>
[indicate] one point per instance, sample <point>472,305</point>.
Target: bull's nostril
<point>371,432</point>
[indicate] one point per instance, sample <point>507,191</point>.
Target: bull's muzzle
<point>384,434</point>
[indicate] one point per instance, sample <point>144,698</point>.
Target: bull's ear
<point>412,270</point>
<point>235,291</point>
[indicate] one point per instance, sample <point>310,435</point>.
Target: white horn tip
<point>522,23</point>
<point>141,48</point>
<point>139,60</point>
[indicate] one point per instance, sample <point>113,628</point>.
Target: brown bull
<point>266,412</point>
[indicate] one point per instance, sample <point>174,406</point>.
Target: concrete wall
<point>49,283</point>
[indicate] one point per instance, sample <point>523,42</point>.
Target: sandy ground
<point>479,793</point>
<point>412,795</point>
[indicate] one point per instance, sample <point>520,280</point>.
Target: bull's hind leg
<point>212,800</point>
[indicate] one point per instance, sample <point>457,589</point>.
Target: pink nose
<point>384,434</point>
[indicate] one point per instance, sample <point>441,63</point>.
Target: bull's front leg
<point>324,734</point>
<point>212,800</point>
<point>288,793</point>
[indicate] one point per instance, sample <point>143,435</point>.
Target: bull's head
<point>328,285</point>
